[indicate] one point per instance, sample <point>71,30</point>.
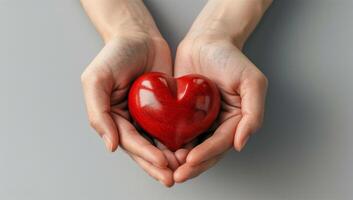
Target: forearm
<point>113,17</point>
<point>235,19</point>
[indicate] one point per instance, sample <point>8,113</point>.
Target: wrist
<point>116,17</point>
<point>130,29</point>
<point>229,19</point>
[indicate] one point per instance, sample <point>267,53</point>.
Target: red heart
<point>175,111</point>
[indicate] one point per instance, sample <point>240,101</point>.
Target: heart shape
<point>175,111</point>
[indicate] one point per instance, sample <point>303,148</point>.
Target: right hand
<point>106,83</point>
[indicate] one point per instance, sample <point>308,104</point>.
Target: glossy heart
<point>174,111</point>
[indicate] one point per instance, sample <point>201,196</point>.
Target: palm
<point>106,83</point>
<point>224,64</point>
<point>242,87</point>
<point>127,60</point>
<point>122,69</point>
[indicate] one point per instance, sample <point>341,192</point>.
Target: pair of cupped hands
<point>128,55</point>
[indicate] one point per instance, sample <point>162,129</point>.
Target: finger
<point>163,175</point>
<point>182,153</point>
<point>252,92</point>
<point>136,144</point>
<point>188,171</point>
<point>173,163</point>
<point>97,89</point>
<point>218,143</point>
<point>172,160</point>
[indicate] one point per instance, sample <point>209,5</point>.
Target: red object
<point>175,111</point>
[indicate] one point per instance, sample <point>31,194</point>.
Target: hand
<point>135,46</point>
<point>106,82</point>
<point>132,47</point>
<point>242,87</point>
<point>213,48</point>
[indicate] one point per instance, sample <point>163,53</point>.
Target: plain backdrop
<point>304,151</point>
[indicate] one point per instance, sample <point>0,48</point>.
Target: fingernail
<point>108,143</point>
<point>244,142</point>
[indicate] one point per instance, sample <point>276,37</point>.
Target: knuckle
<point>265,80</point>
<point>261,79</point>
<point>256,124</point>
<point>84,77</point>
<point>91,78</point>
<point>93,122</point>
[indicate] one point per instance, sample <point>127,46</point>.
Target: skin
<point>212,47</point>
<point>133,46</point>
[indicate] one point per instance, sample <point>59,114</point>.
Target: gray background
<point>304,151</point>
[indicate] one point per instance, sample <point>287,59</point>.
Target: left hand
<point>243,89</point>
<point>212,48</point>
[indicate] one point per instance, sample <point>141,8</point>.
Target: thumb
<point>97,89</point>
